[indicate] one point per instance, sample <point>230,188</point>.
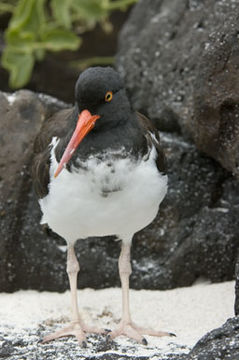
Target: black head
<point>101,91</point>
<point>101,104</point>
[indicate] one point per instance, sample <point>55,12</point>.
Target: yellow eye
<point>108,96</point>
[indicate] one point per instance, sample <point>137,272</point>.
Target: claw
<point>144,341</point>
<point>107,331</point>
<point>84,344</point>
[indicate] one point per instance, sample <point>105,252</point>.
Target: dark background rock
<point>216,99</point>
<point>195,234</point>
<point>180,64</point>
<point>20,123</point>
<point>236,305</point>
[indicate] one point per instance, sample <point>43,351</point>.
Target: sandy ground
<point>188,312</point>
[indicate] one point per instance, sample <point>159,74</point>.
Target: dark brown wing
<point>54,126</point>
<point>152,136</point>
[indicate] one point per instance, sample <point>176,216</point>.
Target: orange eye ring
<point>108,96</point>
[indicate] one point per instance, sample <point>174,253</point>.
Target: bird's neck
<point>125,138</point>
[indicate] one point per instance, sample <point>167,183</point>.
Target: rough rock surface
<point>236,305</point>
<point>195,234</point>
<point>25,345</point>
<point>22,115</point>
<point>180,64</point>
<point>220,344</point>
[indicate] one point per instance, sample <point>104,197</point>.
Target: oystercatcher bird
<point>99,170</point>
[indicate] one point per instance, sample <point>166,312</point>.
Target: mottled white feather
<point>112,197</point>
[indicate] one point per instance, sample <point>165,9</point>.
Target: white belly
<point>120,199</point>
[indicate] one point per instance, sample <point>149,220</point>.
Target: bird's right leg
<point>77,327</point>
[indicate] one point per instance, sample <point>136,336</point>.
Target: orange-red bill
<point>85,124</point>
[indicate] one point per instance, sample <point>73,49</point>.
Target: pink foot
<point>77,329</point>
<point>135,332</point>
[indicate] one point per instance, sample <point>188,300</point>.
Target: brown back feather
<point>57,126</point>
<point>150,130</point>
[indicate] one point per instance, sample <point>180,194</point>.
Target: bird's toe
<point>73,329</point>
<point>129,331</point>
<point>136,332</point>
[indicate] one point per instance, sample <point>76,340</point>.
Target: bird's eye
<point>108,96</point>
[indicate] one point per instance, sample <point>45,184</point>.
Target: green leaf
<point>28,15</point>
<point>90,9</point>
<point>19,39</point>
<point>93,61</point>
<point>59,39</point>
<point>118,4</point>
<point>21,14</point>
<point>40,54</point>
<point>6,8</point>
<point>19,65</point>
<point>33,30</point>
<point>61,12</point>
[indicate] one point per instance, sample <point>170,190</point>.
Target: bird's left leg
<point>77,327</point>
<point>126,326</point>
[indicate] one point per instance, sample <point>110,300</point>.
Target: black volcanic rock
<point>236,305</point>
<point>196,232</point>
<point>220,344</point>
<point>22,115</point>
<point>179,60</point>
<point>216,95</point>
<point>25,344</point>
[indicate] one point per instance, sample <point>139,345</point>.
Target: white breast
<point>113,197</point>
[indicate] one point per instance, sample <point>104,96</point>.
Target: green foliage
<point>6,6</point>
<point>35,27</point>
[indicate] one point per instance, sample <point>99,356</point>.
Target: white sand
<point>188,312</point>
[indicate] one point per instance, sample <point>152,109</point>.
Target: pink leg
<point>126,326</point>
<point>77,327</point>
